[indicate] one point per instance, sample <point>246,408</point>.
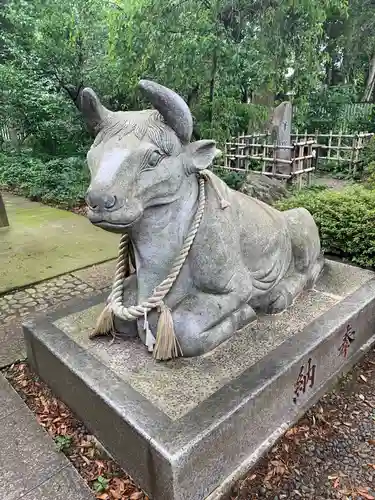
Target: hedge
<point>346,220</point>
<point>59,181</point>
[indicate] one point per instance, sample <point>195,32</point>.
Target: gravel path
<point>47,295</point>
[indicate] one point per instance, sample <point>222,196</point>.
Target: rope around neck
<point>166,343</point>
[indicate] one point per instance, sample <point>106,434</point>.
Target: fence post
<point>274,157</point>
<point>264,153</point>
<point>358,148</point>
<point>329,146</point>
<point>352,154</point>
<point>338,154</point>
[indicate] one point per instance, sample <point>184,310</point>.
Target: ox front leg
<point>205,320</point>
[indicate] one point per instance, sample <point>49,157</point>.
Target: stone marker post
<point>4,222</point>
<point>280,129</point>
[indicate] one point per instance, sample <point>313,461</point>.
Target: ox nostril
<point>91,201</point>
<point>99,201</point>
<point>110,202</point>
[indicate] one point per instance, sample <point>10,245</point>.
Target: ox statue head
<point>140,159</point>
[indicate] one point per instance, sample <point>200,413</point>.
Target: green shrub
<point>346,221</point>
<point>368,160</point>
<point>234,179</point>
<point>61,181</point>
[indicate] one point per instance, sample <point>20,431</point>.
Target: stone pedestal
<point>187,429</point>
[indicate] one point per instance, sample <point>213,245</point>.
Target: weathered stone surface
<point>11,341</point>
<point>9,399</point>
<point>263,188</point>
<point>281,128</point>
<point>341,280</point>
<point>66,484</point>
<point>17,305</point>
<point>31,467</point>
<point>246,256</point>
<point>27,455</point>
<point>181,387</point>
<point>239,398</point>
<point>42,242</point>
<point>99,276</point>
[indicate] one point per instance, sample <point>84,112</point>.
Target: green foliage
<point>63,442</point>
<point>368,160</point>
<point>101,484</point>
<point>234,179</point>
<point>345,220</point>
<point>61,181</point>
<point>323,110</point>
<point>216,54</point>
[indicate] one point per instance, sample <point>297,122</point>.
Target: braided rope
<point>116,296</point>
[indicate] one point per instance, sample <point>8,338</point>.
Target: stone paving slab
<point>29,460</point>
<point>9,399</point>
<point>99,275</point>
<point>66,484</point>
<point>43,242</point>
<point>27,457</point>
<point>11,342</point>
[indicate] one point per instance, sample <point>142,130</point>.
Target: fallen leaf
<point>371,441</point>
<point>336,483</point>
<point>136,496</point>
<point>332,477</point>
<point>371,465</point>
<point>364,493</point>
<point>361,396</point>
<point>363,378</point>
<point>103,496</point>
<point>251,478</point>
<point>116,494</point>
<point>85,444</point>
<point>86,460</point>
<point>348,424</point>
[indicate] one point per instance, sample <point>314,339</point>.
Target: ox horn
<point>171,106</point>
<point>93,111</point>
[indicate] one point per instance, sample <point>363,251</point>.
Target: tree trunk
<point>212,86</point>
<point>3,214</point>
<point>370,81</point>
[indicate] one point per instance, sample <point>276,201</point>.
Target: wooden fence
<point>255,153</point>
<point>338,147</point>
<point>9,134</point>
<point>296,162</point>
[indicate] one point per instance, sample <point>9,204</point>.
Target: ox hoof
<point>279,301</point>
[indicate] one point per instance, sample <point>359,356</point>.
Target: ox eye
<point>154,159</point>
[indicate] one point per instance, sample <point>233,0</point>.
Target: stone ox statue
<point>204,258</point>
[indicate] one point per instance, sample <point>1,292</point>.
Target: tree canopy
<point>218,54</point>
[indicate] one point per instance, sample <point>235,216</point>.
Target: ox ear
<point>202,154</point>
<point>93,111</point>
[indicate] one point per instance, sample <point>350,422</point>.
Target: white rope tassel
<point>167,345</point>
<point>105,323</point>
<point>150,339</point>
